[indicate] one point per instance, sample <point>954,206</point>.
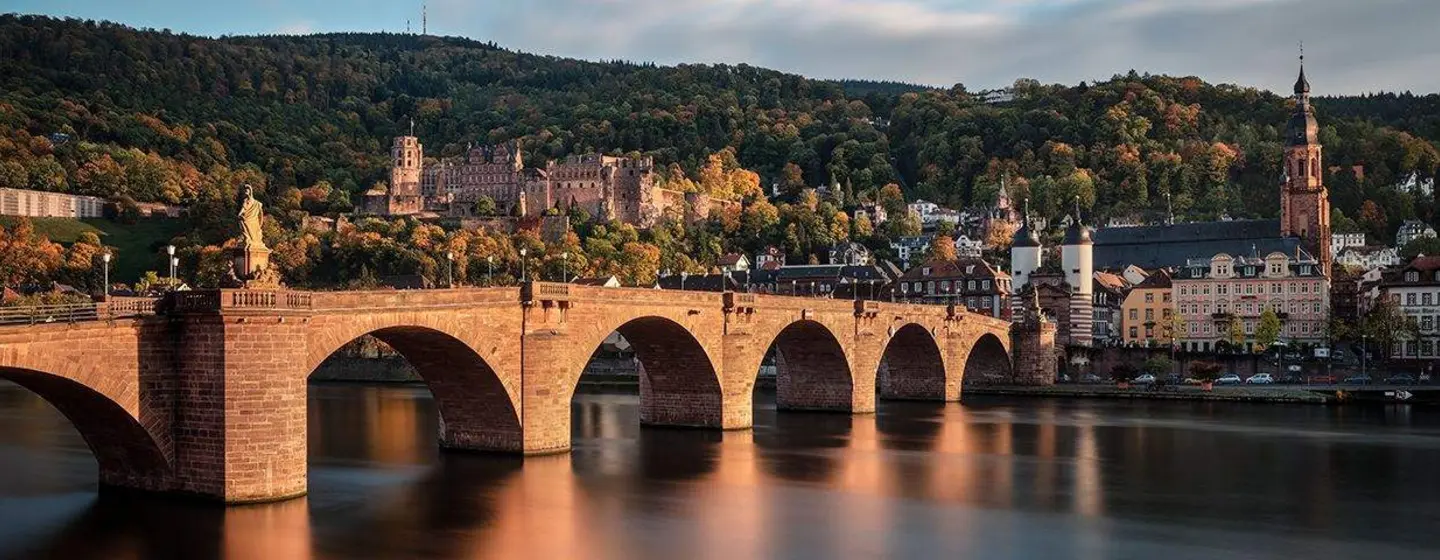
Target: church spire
<point>1302,86</point>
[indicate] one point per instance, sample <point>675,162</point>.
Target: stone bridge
<point>208,397</point>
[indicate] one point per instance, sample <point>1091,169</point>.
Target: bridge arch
<point>912,365</point>
<point>127,453</point>
<point>477,409</point>
<point>679,381</point>
<point>812,370</point>
<point>988,361</point>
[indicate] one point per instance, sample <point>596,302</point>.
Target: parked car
<point>1260,379</point>
<point>1401,379</point>
<point>1294,368</point>
<point>1192,381</point>
<point>1228,379</point>
<point>1357,380</point>
<point>1145,379</point>
<point>1174,379</point>
<point>1338,355</point>
<point>1322,379</point>
<point>1091,378</point>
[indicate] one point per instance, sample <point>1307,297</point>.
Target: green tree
<point>1429,246</point>
<point>485,206</point>
<point>1268,331</point>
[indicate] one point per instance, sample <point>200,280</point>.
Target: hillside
<point>163,116</point>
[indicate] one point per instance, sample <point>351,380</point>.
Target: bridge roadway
<point>207,396</point>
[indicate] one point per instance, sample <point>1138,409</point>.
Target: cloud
<point>296,28</point>
<point>1352,46</point>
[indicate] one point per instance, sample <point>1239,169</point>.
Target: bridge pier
<point>240,424</point>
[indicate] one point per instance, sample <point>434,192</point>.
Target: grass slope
<point>137,247</point>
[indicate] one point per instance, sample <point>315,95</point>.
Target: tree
<point>1386,325</point>
<point>1159,366</point>
<point>792,180</point>
<point>1372,218</point>
<point>1123,373</point>
<point>1235,333</point>
<point>1206,372</point>
<point>1268,331</point>
<point>893,201</point>
<point>1421,246</point>
<point>485,206</point>
<point>942,249</point>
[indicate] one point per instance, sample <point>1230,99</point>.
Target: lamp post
<point>170,250</point>
<point>489,270</point>
<point>683,276</point>
<point>1364,354</point>
<point>812,288</point>
<point>106,258</point>
<point>524,263</point>
<point>450,269</point>
<point>565,272</point>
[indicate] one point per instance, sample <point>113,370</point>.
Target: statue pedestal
<point>252,269</point>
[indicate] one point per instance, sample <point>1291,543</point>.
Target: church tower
<point>1304,201</point>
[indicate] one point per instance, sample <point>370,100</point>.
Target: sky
<point>1351,46</point>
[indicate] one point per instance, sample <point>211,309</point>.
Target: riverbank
<point>1272,394</point>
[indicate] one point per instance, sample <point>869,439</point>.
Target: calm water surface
<point>987,479</point>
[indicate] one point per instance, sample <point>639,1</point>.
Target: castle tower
<point>1078,260</point>
<point>405,168</point>
<point>1025,259</point>
<point>1032,342</point>
<point>1304,201</point>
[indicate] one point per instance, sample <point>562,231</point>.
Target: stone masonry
<point>208,398</point>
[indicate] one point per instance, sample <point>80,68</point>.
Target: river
<point>992,478</point>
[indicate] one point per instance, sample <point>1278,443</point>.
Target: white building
<point>1416,289</point>
<point>1369,258</point>
<point>1342,241</point>
<point>966,247</point>
<point>911,249</point>
<point>39,204</point>
<point>1410,231</point>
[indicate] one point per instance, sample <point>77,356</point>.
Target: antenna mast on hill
<point>424,19</point>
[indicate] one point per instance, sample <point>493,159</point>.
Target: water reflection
<point>991,479</point>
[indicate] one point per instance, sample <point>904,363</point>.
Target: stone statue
<point>251,267</point>
<point>251,216</point>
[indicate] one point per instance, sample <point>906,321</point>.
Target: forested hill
<point>164,116</point>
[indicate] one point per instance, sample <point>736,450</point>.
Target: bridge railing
<point>199,301</point>
<point>114,308</point>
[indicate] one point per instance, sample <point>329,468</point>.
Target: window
<point>1149,331</point>
<point>1427,323</point>
<point>1425,298</point>
<point>1134,332</point>
<point>1412,276</point>
<point>1149,314</point>
<point>1427,348</point>
<point>970,286</point>
<point>1165,297</point>
<point>1409,299</point>
<point>930,287</point>
<point>985,285</point>
<point>1221,289</point>
<point>1134,314</point>
<point>1165,313</point>
<point>1149,298</point>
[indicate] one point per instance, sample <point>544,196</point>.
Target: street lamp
<point>170,249</point>
<point>106,258</point>
<point>524,263</point>
<point>489,270</point>
<point>683,276</point>
<point>450,268</point>
<point>1364,354</point>
<point>565,272</point>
